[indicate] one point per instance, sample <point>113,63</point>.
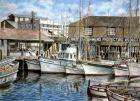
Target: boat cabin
<point>68,54</point>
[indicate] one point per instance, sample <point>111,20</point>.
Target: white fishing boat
<point>8,71</point>
<point>97,69</point>
<point>130,68</point>
<point>126,68</point>
<point>134,69</point>
<point>33,64</point>
<point>66,59</point>
<point>75,70</point>
<point>32,60</point>
<point>121,68</point>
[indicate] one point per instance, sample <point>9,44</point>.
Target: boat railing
<point>98,88</point>
<point>7,61</point>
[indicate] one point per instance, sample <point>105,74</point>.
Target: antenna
<point>137,9</point>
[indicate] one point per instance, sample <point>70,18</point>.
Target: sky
<point>65,9</point>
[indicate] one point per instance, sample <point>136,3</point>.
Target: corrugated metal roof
<point>20,34</point>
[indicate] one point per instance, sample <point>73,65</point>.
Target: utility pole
<point>32,19</point>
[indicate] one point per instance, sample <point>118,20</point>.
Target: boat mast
<point>79,45</point>
<point>39,38</point>
<point>130,30</point>
<point>137,12</point>
<point>137,9</point>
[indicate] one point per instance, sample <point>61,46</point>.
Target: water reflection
<point>53,87</point>
<point>94,98</point>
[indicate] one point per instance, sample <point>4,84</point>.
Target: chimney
<point>4,24</point>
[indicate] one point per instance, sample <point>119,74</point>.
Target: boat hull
<point>51,66</point>
<point>97,69</point>
<point>33,65</point>
<point>97,91</point>
<point>7,79</point>
<point>121,72</point>
<point>75,70</point>
<point>8,73</point>
<point>134,69</point>
<point>116,97</point>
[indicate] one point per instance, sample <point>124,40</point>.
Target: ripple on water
<point>51,87</point>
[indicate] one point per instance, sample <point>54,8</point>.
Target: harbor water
<point>51,87</point>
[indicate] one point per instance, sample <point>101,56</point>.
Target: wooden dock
<point>26,57</point>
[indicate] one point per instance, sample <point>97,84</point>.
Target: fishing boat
<point>126,68</point>
<point>33,64</point>
<point>97,69</point>
<point>32,60</point>
<point>75,70</point>
<point>121,68</point>
<point>131,68</point>
<point>125,96</point>
<point>134,69</point>
<point>100,89</point>
<point>8,71</point>
<point>97,90</point>
<point>66,59</point>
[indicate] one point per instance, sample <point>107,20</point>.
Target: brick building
<point>107,36</point>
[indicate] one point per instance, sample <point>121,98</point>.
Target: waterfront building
<point>54,30</point>
<point>108,37</point>
<point>47,26</point>
<point>16,41</point>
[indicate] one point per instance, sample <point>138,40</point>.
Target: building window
<point>2,42</point>
<point>21,19</point>
<point>35,26</point>
<point>88,31</point>
<point>111,31</point>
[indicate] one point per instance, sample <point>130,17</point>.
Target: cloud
<point>112,7</point>
<point>58,9</point>
<point>42,8</point>
<point>6,8</point>
<point>48,2</point>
